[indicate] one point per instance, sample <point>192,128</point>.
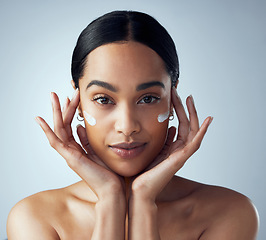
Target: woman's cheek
<point>96,130</point>
<point>156,124</point>
<point>91,120</point>
<point>160,126</point>
<point>92,123</point>
<point>163,116</point>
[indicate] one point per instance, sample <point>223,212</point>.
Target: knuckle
<point>57,145</point>
<point>197,145</point>
<point>53,143</point>
<point>139,188</point>
<point>184,150</point>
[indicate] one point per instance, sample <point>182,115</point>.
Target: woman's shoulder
<point>51,200</point>
<point>206,194</point>
<point>33,215</point>
<point>223,210</point>
<point>234,215</point>
<point>223,200</point>
<point>41,213</point>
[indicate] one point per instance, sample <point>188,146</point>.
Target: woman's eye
<point>102,100</point>
<point>149,99</point>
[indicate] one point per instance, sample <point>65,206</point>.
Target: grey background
<point>222,49</point>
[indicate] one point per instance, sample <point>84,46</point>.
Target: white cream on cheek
<point>90,119</point>
<point>162,117</point>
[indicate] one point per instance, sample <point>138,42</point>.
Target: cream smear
<point>90,119</point>
<point>162,117</point>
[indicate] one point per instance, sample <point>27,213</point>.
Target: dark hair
<point>121,26</point>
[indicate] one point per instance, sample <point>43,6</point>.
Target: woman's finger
<point>65,107</point>
<point>183,127</point>
<point>196,141</point>
<point>70,112</point>
<point>81,131</point>
<point>178,158</point>
<point>59,127</point>
<point>53,139</point>
<point>169,140</point>
<point>188,150</point>
<point>193,116</point>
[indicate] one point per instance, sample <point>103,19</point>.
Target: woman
<point>125,71</point>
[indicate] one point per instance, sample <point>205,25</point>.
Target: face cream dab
<point>162,117</point>
<point>90,119</point>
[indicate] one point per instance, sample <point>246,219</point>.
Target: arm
<point>143,219</point>
<point>110,218</point>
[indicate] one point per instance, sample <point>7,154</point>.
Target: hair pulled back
<point>121,26</point>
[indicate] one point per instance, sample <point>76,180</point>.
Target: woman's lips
<point>128,150</point>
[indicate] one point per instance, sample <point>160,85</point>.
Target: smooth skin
<point>138,198</point>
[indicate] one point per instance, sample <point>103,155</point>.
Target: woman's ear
<point>79,106</point>
<point>73,84</point>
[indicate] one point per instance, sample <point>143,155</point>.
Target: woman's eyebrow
<point>102,84</point>
<point>149,84</point>
<point>110,87</point>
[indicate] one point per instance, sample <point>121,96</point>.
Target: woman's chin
<point>129,172</point>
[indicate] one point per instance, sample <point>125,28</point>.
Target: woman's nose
<point>127,121</point>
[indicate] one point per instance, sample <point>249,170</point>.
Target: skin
<point>137,198</point>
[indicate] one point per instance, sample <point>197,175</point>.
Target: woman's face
<point>125,98</point>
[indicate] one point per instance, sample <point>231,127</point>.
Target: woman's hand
<point>174,154</point>
<point>87,165</point>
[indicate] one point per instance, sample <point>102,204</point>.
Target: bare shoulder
<point>64,213</point>
<point>230,215</point>
<point>32,217</point>
<point>198,211</point>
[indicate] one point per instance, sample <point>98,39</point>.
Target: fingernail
<point>210,121</point>
<point>192,99</point>
<point>52,98</point>
<point>79,125</point>
<point>38,120</point>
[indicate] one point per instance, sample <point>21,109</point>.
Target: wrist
<point>110,215</point>
<point>142,194</point>
<point>143,218</point>
<point>108,199</point>
<point>113,191</point>
<point>142,202</point>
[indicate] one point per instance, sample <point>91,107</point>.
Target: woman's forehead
<point>130,62</point>
<point>132,56</point>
